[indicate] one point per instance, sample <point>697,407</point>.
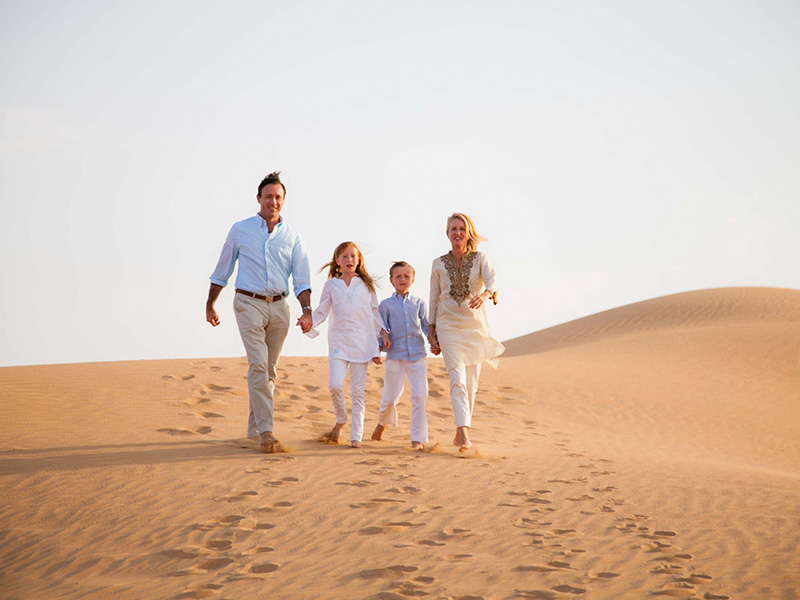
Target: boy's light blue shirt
<point>266,260</point>
<point>406,320</point>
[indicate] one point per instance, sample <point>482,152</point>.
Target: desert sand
<point>651,450</point>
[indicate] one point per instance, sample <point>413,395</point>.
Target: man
<point>268,251</point>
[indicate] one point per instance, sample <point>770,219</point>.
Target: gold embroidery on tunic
<point>459,278</point>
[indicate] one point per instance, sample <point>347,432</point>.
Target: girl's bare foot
<point>377,435</point>
<point>332,436</point>
<point>417,446</point>
<point>355,444</point>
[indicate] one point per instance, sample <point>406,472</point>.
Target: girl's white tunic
<point>463,332</point>
<point>355,323</point>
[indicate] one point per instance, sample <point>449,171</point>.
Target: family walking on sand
<point>269,252</point>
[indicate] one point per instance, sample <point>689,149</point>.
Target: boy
<point>405,318</point>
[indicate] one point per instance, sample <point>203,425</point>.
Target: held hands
<point>305,322</point>
<point>385,341</point>
<point>434,342</point>
<point>376,360</point>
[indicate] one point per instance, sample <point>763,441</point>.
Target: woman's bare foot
<point>463,435</point>
<point>377,435</point>
<point>355,444</point>
<point>417,446</point>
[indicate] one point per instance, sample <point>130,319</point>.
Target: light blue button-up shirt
<point>406,320</point>
<point>265,259</point>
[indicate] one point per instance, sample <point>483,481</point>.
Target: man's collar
<point>263,222</point>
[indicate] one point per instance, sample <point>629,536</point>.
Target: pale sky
<point>611,152</point>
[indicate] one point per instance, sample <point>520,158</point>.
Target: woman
<point>462,282</point>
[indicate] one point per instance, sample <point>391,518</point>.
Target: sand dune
<point>651,450</point>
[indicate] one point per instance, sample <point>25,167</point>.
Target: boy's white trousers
<point>337,370</point>
<point>463,388</point>
<point>394,377</point>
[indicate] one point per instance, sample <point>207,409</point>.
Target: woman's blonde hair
<point>361,270</point>
<point>473,239</point>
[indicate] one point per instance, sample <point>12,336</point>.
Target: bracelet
<point>306,308</point>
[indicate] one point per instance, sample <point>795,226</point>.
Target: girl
<point>349,297</point>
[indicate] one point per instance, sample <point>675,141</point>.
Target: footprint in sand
<point>238,496</point>
<point>359,483</point>
<point>677,590</point>
<point>376,502</point>
<point>210,415</point>
<point>284,481</point>
<point>453,533</point>
<point>226,521</point>
<point>528,523</point>
<point>602,575</point>
<point>214,564</point>
<point>668,570</point>
<point>433,543</point>
<point>581,498</point>
<point>418,510</point>
<point>549,567</point>
<point>264,568</point>
<point>558,592</point>
<point>404,490</point>
<point>392,572</point>
<point>277,507</point>
<point>388,528</point>
<point>204,430</point>
<point>373,530</point>
<point>202,591</point>
<point>570,481</point>
<point>178,377</point>
<point>219,545</point>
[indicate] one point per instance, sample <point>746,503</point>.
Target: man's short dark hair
<point>274,177</point>
<point>400,263</point>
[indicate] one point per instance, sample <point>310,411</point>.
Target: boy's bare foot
<point>417,446</point>
<point>377,435</point>
<point>355,444</point>
<point>458,439</point>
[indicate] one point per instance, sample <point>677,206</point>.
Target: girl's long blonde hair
<point>473,239</point>
<point>361,270</point>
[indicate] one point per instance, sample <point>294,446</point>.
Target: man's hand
<point>211,315</point>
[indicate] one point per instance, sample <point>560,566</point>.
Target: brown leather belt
<point>259,296</point>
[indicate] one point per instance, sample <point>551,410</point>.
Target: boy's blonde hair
<point>401,263</point>
<point>361,270</point>
<point>473,239</point>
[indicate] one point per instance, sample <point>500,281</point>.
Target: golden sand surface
<point>651,450</point>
